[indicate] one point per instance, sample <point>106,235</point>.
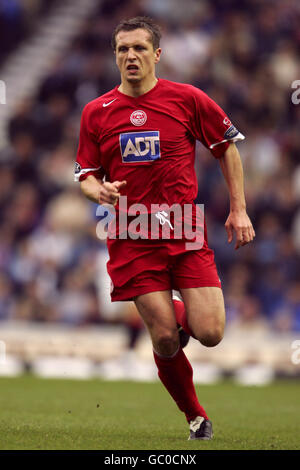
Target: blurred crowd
<point>18,20</point>
<point>245,55</point>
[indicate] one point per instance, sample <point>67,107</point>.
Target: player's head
<point>136,45</point>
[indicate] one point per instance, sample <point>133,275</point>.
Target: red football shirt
<point>149,141</point>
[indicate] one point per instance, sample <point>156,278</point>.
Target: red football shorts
<point>141,266</point>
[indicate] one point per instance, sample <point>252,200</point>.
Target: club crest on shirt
<point>138,118</point>
<point>140,146</point>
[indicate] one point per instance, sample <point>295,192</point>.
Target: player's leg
<point>192,273</point>
<point>164,325</point>
<point>156,310</point>
<point>196,276</point>
<point>174,369</point>
<point>205,313</point>
<point>151,291</point>
<point>180,314</point>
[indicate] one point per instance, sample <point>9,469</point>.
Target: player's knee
<point>166,343</point>
<point>211,337</point>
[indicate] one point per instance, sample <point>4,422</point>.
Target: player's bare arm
<point>101,193</point>
<point>238,221</point>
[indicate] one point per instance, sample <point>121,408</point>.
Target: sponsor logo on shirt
<point>140,146</point>
<point>231,132</point>
<point>138,118</point>
<point>107,104</point>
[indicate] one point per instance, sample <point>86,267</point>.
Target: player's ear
<point>157,55</point>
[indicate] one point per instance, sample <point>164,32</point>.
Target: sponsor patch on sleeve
<point>77,168</point>
<point>231,132</point>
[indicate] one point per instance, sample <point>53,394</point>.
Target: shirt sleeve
<point>212,126</point>
<point>88,154</point>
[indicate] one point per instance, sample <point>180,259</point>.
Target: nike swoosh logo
<point>107,104</point>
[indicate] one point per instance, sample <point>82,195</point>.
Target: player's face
<point>135,55</point>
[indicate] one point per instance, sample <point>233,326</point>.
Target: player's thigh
<point>156,310</point>
<point>205,312</point>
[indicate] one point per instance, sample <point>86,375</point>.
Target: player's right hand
<point>110,192</point>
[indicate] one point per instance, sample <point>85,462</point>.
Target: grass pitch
<point>47,414</point>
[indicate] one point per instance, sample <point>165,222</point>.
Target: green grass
<point>67,414</point>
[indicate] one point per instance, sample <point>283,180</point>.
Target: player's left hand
<point>239,223</point>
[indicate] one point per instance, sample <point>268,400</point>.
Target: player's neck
<point>137,89</point>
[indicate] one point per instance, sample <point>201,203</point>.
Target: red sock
<point>181,316</point>
<point>176,374</point>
